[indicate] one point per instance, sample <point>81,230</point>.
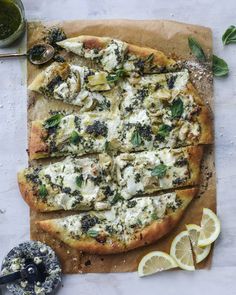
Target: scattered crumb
<point>2,211</point>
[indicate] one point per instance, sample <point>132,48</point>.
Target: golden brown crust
<point>205,119</point>
<point>30,194</point>
<point>195,154</point>
<point>157,229</point>
<point>159,58</point>
<point>146,236</point>
<point>92,42</point>
<point>38,147</point>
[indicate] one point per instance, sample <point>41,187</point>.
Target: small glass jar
<point>21,29</point>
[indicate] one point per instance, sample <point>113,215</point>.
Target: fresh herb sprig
<point>229,35</point>
<point>196,49</point>
<point>219,67</point>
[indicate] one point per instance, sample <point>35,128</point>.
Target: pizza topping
<point>122,219</point>
<point>97,129</point>
<point>74,138</point>
<point>43,191</point>
<point>88,221</point>
<point>53,121</point>
<point>74,183</point>
<point>177,108</point>
<point>157,170</point>
<point>113,55</point>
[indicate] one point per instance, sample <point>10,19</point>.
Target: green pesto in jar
<point>10,18</point>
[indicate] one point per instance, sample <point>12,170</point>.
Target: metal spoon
<point>37,55</point>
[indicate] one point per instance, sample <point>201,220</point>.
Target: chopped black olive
<point>129,109</point>
<point>181,162</point>
<point>88,221</point>
<point>158,86</point>
<point>131,203</point>
<point>33,176</point>
<point>178,180</point>
<point>108,191</point>
<point>55,35</point>
<point>66,190</point>
<point>53,83</point>
<point>137,177</point>
<point>97,128</point>
<point>109,229</point>
<point>141,94</point>
<point>171,81</point>
<point>145,131</point>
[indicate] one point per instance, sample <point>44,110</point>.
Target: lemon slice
<point>200,253</point>
<point>210,228</point>
<point>154,262</point>
<point>181,251</point>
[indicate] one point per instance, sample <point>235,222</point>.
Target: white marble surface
<point>14,223</point>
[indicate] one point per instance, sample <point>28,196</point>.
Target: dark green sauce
<point>10,18</point>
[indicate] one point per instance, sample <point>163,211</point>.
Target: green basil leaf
<point>154,216</point>
<point>177,108</point>
<point>219,67</point>
<point>74,137</point>
<point>136,139</point>
<point>229,35</point>
<point>79,180</point>
<point>114,77</point>
<point>196,49</point>
<point>53,121</point>
<point>116,198</point>
<point>164,130</point>
<point>43,191</point>
<point>159,170</point>
<point>92,233</point>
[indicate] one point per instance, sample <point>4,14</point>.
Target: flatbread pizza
<point>128,225</point>
<point>130,147</point>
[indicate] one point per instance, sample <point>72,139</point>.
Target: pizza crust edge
<point>144,237</point>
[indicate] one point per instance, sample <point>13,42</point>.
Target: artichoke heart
<point>98,82</point>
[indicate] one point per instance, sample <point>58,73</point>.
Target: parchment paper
<point>171,38</point>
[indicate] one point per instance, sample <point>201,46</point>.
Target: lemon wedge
<point>154,262</point>
<point>210,228</point>
<point>200,253</point>
<point>181,251</point>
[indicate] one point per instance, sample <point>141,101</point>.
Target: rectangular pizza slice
<point>128,225</point>
<point>77,85</point>
<point>71,184</point>
<point>151,171</point>
<point>61,135</point>
<point>112,54</point>
<point>163,111</point>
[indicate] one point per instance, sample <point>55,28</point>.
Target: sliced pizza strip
<point>71,184</point>
<point>151,171</point>
<point>130,224</point>
<point>61,135</point>
<point>76,85</point>
<point>163,111</point>
<point>113,54</point>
